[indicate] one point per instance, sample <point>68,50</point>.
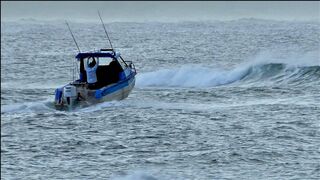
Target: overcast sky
<point>160,10</point>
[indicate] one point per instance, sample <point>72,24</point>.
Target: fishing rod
<point>105,29</point>
<point>74,39</point>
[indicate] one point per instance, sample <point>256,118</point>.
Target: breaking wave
<point>258,71</point>
<point>191,76</point>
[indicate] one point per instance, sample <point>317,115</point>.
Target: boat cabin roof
<point>102,53</point>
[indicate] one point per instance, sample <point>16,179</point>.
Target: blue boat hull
<point>78,95</point>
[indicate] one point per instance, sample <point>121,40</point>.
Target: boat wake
<point>47,106</point>
<point>29,107</point>
<point>256,72</point>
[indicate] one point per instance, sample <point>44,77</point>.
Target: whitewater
<point>213,100</point>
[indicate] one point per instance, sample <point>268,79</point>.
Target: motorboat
<point>115,80</point>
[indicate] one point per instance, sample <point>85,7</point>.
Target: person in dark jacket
<point>115,69</point>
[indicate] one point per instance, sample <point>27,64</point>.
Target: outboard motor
<point>70,94</point>
<point>58,96</point>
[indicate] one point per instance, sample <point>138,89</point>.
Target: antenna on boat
<point>73,37</point>
<point>105,29</point>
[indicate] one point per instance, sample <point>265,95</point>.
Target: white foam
<point>27,107</point>
<point>99,106</point>
<point>192,75</point>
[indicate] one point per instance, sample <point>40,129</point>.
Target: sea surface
<point>233,99</point>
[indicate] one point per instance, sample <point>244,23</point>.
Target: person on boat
<point>91,68</point>
<point>83,74</point>
<point>115,68</point>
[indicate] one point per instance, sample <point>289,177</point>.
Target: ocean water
<point>213,100</point>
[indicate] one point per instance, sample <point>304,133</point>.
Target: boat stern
<point>65,96</point>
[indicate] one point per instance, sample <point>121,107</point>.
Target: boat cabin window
<point>104,61</point>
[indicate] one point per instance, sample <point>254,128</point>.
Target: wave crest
<point>197,76</point>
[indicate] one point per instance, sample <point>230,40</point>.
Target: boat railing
<point>132,66</point>
<point>107,49</point>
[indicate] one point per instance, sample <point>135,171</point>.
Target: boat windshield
<point>103,61</point>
